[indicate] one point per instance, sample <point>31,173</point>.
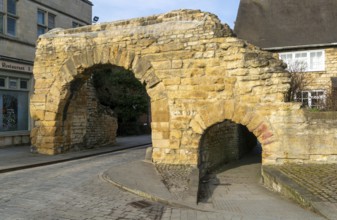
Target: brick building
<point>303,33</point>
<point>21,22</point>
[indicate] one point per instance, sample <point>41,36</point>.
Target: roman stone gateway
<point>197,74</point>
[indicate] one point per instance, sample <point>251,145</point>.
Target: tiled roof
<point>287,23</point>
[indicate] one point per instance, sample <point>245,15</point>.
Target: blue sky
<point>112,10</point>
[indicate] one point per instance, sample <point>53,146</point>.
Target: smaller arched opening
<point>223,146</point>
<point>226,142</point>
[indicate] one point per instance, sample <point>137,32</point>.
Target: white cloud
<point>111,10</point>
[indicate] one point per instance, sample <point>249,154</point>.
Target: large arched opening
<point>73,116</point>
<point>110,101</point>
<point>119,90</point>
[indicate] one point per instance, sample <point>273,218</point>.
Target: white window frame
<point>304,63</point>
<point>310,97</point>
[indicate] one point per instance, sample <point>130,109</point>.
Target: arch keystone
<point>196,127</point>
<point>229,107</point>
<point>210,115</point>
<point>239,114</point>
<point>245,120</point>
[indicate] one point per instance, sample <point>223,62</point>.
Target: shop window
<point>14,98</point>
<point>9,112</point>
<point>13,83</point>
<point>14,114</point>
<point>23,84</point>
<point>2,82</point>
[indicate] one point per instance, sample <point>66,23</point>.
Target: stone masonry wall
<point>102,125</point>
<point>309,137</point>
<point>219,145</point>
<point>197,74</point>
<point>88,123</point>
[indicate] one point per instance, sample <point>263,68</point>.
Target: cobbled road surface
<point>74,191</point>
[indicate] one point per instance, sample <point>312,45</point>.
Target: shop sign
<point>16,66</point>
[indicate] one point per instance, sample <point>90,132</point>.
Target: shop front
<point>15,88</point>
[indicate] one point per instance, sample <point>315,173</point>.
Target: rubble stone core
<point>197,74</point>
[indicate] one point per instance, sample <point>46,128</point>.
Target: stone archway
<point>238,113</point>
<point>196,72</point>
<point>224,143</point>
<point>52,132</point>
<point>186,58</point>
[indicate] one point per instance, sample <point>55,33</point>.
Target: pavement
<point>19,157</point>
<point>312,185</point>
<point>234,189</point>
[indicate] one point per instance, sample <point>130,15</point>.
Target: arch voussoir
<point>140,66</point>
<point>101,54</point>
<point>80,60</point>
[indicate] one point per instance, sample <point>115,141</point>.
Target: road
<point>73,190</point>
